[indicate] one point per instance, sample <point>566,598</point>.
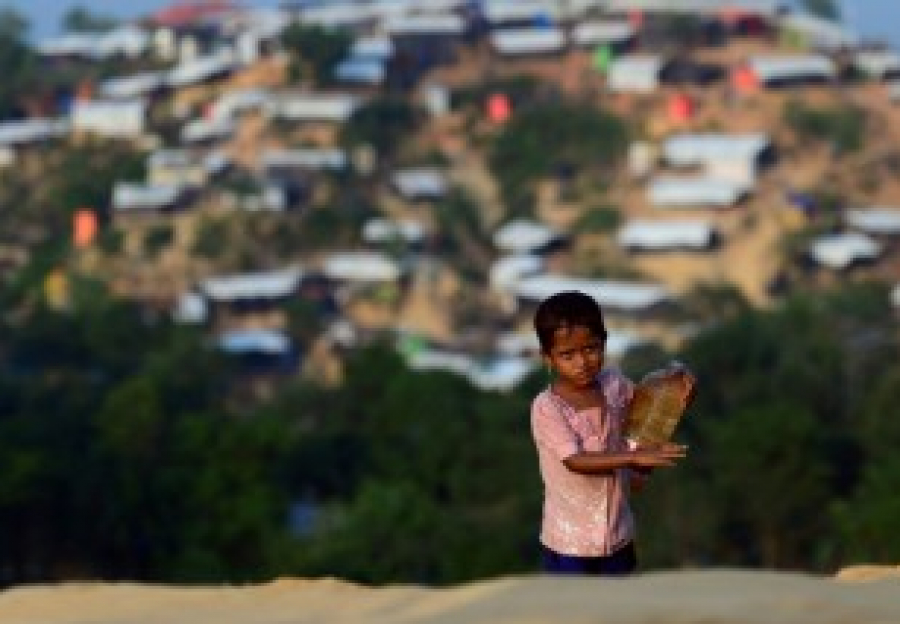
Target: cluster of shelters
<point>396,42</point>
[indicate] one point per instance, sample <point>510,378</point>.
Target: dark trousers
<point>620,563</point>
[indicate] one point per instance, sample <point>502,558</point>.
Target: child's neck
<point>565,388</point>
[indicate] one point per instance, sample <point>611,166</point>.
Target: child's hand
<point>661,456</point>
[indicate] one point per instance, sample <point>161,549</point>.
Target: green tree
<point>80,19</point>
<point>546,137</point>
<point>827,9</point>
<point>316,50</point>
<point>17,60</point>
<point>844,127</point>
<point>383,123</point>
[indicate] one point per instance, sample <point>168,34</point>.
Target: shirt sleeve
<point>619,391</point>
<point>551,431</point>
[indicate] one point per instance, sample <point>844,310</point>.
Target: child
<point>585,462</point>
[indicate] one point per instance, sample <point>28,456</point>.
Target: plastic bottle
<point>659,402</point>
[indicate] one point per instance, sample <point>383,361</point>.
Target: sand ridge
<point>693,597</point>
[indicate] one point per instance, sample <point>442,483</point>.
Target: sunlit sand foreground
<point>858,595</point>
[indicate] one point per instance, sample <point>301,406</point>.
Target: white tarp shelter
<point>667,235</point>
<point>602,32</point>
<point>305,158</point>
<point>527,41</point>
<point>252,286</point>
<point>884,221</point>
<point>690,150</point>
<point>361,266</point>
<point>506,271</point>
<point>524,236</point>
<point>421,183</point>
<point>27,131</point>
<point>695,191</point>
<point>110,118</point>
<point>840,251</point>
<point>879,64</point>
<point>775,70</point>
<point>335,107</point>
<point>638,73</point>
<point>623,296</point>
<point>381,230</point>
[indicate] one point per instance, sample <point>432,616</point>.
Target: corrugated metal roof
<point>635,72</point>
<point>875,221</point>
<point>839,251</point>
<point>513,41</point>
<point>662,235</point>
<point>697,191</point>
<point>784,68</point>
<point>618,295</point>
<point>699,149</point>
<point>601,32</point>
<point>259,285</point>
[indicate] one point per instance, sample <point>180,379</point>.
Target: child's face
<point>576,355</point>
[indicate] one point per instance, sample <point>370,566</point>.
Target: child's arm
<point>594,463</point>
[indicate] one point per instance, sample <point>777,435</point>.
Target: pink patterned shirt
<point>584,515</point>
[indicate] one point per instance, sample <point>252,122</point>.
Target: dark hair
<point>566,310</point>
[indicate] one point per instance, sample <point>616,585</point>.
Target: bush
<point>315,50</point>
<point>111,241</point>
<point>844,127</point>
<point>600,219</point>
<point>211,239</point>
<point>554,137</point>
<point>158,238</point>
<point>383,123</point>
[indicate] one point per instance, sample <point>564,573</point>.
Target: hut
<point>639,73</point>
<point>696,191</point>
<point>789,71</point>
<point>110,118</point>
<point>845,250</point>
<point>658,236</point>
<point>515,42</point>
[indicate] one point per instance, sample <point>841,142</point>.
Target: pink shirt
<point>584,515</point>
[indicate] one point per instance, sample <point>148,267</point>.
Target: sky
<point>871,18</point>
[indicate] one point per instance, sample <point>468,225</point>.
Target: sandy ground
<point>703,597</point>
